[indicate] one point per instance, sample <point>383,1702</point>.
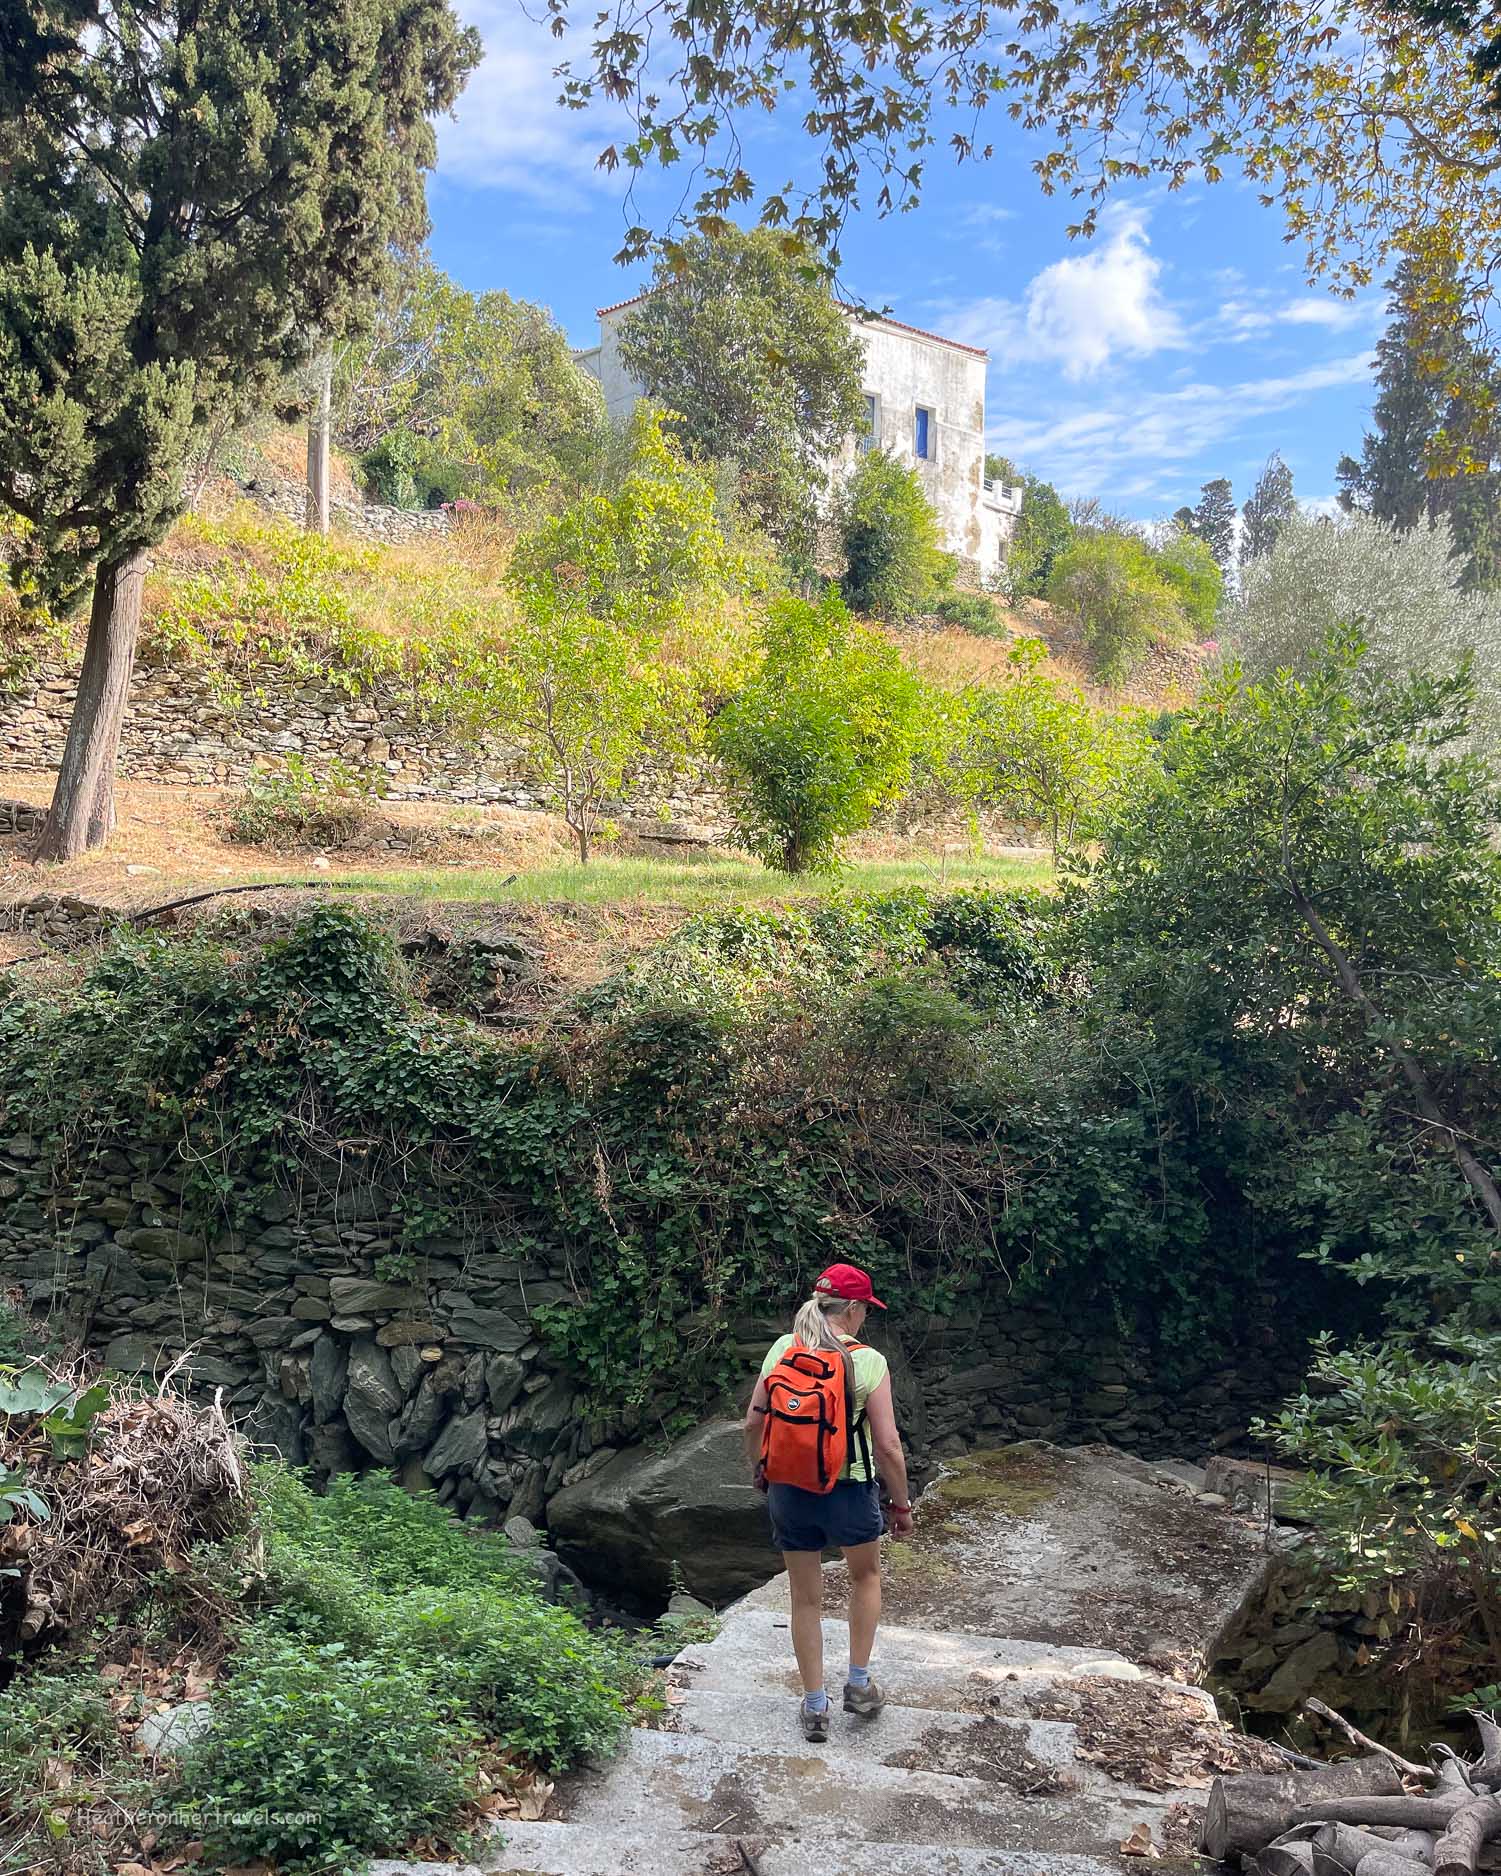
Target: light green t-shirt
<point>871,1369</point>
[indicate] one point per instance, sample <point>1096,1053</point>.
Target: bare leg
<point>805,1580</point>
<point>864,1563</point>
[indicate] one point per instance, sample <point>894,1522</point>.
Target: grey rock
<point>135,1354</point>
<point>169,1733</point>
<point>329,1368</point>
<point>505,1375</point>
<point>461,1444</point>
<point>406,1365</point>
<point>330,1450</point>
<point>647,1510</point>
<point>274,1331</point>
<point>371,1427</point>
<point>358,1296</point>
<point>372,1378</point>
<point>542,1417</point>
<point>522,1533</point>
<point>406,1334</point>
<point>420,1419</point>
<point>484,1328</point>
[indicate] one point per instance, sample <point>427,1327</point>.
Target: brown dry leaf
<point>193,1852</point>
<point>534,1801</point>
<point>112,1671</point>
<point>132,1869</point>
<point>1139,1843</point>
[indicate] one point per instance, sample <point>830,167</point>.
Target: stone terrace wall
<point>370,521</point>
<point>442,1376</point>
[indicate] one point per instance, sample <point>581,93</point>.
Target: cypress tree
<point>1269,507</point>
<point>1433,444</point>
<point>1214,522</point>
<point>185,190</point>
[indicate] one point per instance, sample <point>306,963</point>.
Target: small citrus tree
<point>587,689</point>
<point>821,738</point>
<point>1034,748</point>
<point>591,706</point>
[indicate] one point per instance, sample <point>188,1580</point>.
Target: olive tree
<point>189,191</point>
<point>1404,590</point>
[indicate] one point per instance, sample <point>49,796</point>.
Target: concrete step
<point>579,1850</point>
<point>1017,1753</point>
<point>668,1782</point>
<point>944,1672</point>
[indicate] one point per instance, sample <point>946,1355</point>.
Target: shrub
<point>1401,591</point>
<point>387,470</point>
<point>1034,748</point>
<point>1119,599</point>
<point>318,1756</point>
<point>294,806</point>
<point>971,612</point>
<point>821,737</point>
<point>530,1675</point>
<point>1193,573</point>
<point>893,561</point>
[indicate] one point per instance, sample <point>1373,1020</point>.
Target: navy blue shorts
<point>836,1520</point>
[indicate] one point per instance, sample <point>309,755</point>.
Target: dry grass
<point>283,449</point>
<point>156,1477</point>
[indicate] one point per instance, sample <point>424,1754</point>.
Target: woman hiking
<point>820,1428</point>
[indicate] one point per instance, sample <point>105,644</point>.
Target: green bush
<point>318,1756</point>
<point>1120,599</point>
<point>822,736</point>
<point>530,1675</point>
<point>893,561</point>
<point>294,806</point>
<point>1193,573</point>
<point>970,612</point>
<point>387,470</point>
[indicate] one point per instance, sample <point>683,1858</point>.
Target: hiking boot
<point>867,1700</point>
<point>815,1725</point>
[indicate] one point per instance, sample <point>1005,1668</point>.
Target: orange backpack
<point>811,1424</point>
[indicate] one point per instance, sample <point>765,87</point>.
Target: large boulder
<point>624,1528</point>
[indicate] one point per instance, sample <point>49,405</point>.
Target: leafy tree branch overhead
<point>1371,132</point>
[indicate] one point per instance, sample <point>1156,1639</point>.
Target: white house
<point>925,403</point>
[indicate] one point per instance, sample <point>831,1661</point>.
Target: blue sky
<point>1181,343</point>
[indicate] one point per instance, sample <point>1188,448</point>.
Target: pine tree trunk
<point>319,423</point>
<point>82,814</point>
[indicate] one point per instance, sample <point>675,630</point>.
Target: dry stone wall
<point>179,729</point>
<point>442,1375</point>
<point>370,521</point>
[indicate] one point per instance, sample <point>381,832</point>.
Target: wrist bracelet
<point>893,1506</point>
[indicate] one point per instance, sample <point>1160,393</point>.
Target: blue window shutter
<point>922,432</point>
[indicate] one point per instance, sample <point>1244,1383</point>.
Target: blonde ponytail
<point>811,1324</point>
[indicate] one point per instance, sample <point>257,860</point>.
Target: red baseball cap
<point>850,1282</point>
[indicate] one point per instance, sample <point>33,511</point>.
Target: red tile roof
<point>878,319</point>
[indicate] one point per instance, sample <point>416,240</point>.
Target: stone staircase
<point>958,1776</point>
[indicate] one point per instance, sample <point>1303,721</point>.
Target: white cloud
<point>510,131</point>
<point>1132,444</point>
<point>1082,312</point>
<point>1247,318</point>
<point>985,213</point>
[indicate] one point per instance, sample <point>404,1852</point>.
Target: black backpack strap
<point>857,1422</point>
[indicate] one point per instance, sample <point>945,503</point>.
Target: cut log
<point>1418,1844</point>
<point>1247,1813</point>
<point>1386,1863</point>
<point>1337,1848</point>
<point>1457,1852</point>
<point>1405,1813</point>
<point>1289,1856</point>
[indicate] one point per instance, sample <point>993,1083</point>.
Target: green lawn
<point>690,883</point>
